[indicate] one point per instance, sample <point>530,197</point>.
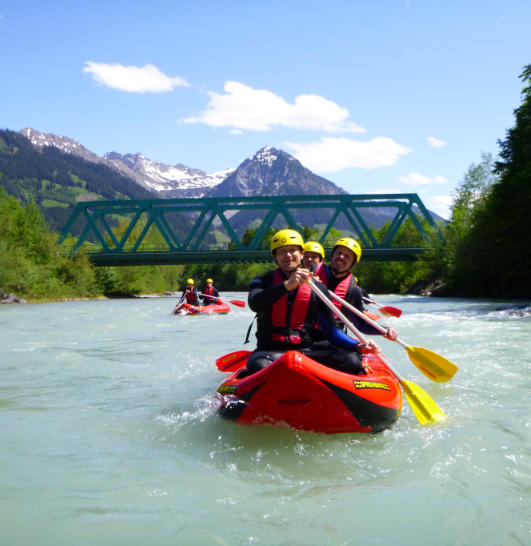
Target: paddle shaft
<point>379,327</point>
<point>431,364</point>
<point>372,302</point>
<point>336,311</point>
<point>385,309</point>
<point>349,324</point>
<point>424,408</point>
<point>178,304</point>
<point>238,303</point>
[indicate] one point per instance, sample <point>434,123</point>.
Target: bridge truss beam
<point>185,225</point>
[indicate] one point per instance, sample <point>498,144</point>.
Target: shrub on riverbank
<point>31,265</point>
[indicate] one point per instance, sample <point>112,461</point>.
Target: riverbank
<point>10,298</point>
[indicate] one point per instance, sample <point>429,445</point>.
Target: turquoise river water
<point>109,435</point>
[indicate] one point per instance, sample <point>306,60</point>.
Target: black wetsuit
<point>263,294</point>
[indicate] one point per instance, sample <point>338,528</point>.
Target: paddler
<point>210,294</point>
<point>338,278</point>
<point>314,256</point>
<point>190,293</point>
<point>287,311</point>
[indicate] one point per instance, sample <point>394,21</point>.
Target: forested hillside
<point>56,181</point>
<point>488,241</point>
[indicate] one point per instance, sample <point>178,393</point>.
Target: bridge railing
<point>213,230</point>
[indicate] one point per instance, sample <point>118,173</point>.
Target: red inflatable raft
<point>298,392</point>
<point>188,309</point>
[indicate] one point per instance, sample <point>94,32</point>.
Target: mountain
<point>56,180</point>
<point>56,172</point>
<point>273,172</point>
<point>65,144</point>
<point>164,180</point>
<point>168,181</point>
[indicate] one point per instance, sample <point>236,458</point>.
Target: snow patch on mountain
<point>159,177</point>
<point>266,156</point>
<point>65,144</point>
<point>165,180</point>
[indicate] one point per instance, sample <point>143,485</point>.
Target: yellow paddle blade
<point>423,406</point>
<point>431,364</point>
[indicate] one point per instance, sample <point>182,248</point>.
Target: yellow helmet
<point>190,281</point>
<point>313,246</point>
<point>210,280</point>
<point>351,244</point>
<point>286,237</point>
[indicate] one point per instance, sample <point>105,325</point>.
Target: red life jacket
<point>208,290</point>
<point>341,289</point>
<point>191,297</point>
<point>287,320</point>
<point>320,271</point>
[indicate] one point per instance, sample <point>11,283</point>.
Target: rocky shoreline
<point>10,298</point>
<point>437,289</point>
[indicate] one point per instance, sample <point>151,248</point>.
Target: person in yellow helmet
<point>210,294</point>
<point>314,255</point>
<point>288,310</point>
<point>190,293</point>
<point>338,278</point>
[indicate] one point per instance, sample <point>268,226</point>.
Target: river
<point>109,435</point>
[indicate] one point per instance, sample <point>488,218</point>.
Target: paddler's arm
<point>327,323</point>
<point>336,336</point>
<point>340,339</point>
<point>362,325</point>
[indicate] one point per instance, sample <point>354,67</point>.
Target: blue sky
<point>376,96</point>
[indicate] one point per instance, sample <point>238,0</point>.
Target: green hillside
<point>56,181</point>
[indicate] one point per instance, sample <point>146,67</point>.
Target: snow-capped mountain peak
<point>266,156</point>
<point>65,144</point>
<point>165,180</point>
<point>169,179</point>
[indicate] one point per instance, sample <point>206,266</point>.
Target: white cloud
<point>334,154</point>
<point>416,179</point>
<point>133,79</point>
<point>436,142</point>
<point>441,204</point>
<point>243,108</point>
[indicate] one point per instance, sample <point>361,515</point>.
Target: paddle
<point>178,305</point>
<point>385,309</point>
<point>232,361</point>
<point>237,303</point>
<point>423,406</point>
<point>374,316</point>
<point>431,364</point>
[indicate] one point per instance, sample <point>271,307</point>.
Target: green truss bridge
<point>233,229</point>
